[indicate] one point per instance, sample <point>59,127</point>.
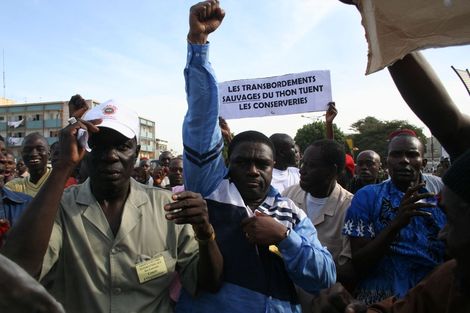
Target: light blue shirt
<point>255,279</point>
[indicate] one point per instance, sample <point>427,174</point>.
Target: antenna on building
<point>4,84</point>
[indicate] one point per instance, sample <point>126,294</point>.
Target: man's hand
<point>19,292</point>
<point>336,300</point>
<point>204,18</point>
<point>331,113</point>
<point>190,208</point>
<point>77,106</point>
<point>71,152</point>
<point>410,205</point>
<point>225,129</point>
<point>262,229</point>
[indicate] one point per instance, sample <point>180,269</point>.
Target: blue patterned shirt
<point>411,256</point>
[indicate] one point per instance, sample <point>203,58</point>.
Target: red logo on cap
<point>109,110</point>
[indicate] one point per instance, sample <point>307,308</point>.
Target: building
<point>48,118</point>
<point>161,145</point>
<point>147,139</point>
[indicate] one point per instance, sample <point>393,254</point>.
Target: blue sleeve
<point>309,264</point>
<point>359,221</point>
<point>204,166</point>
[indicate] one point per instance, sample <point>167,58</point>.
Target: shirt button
<point>117,291</point>
<point>115,250</point>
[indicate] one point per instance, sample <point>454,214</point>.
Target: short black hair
<point>36,135</point>
<point>280,141</point>
<point>406,135</point>
<point>332,153</point>
<point>250,136</point>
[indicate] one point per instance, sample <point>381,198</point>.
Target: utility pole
<point>4,84</point>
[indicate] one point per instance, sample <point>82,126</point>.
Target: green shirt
<point>24,185</point>
<point>91,270</point>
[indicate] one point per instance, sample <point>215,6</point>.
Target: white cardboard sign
<point>279,95</point>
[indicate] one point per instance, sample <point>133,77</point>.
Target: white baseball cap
<point>115,116</point>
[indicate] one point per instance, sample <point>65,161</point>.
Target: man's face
<point>3,148</point>
<point>175,174</point>
<point>2,175</point>
<point>139,175</point>
<point>10,165</point>
<point>457,232</point>
<point>298,156</point>
<point>405,160</point>
<point>20,167</point>
<point>111,161</point>
<point>250,168</point>
<point>165,158</point>
<point>3,152</point>
<point>367,167</point>
<point>35,153</point>
<point>315,174</point>
<point>287,152</point>
<point>145,164</point>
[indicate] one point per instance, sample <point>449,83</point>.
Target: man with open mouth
<point>35,154</point>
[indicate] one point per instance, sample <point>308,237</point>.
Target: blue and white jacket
<point>255,279</point>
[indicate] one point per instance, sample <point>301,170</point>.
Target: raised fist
<point>204,18</point>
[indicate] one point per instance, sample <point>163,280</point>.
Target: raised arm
<point>29,239</point>
<point>204,166</point>
<point>329,118</point>
<point>426,96</point>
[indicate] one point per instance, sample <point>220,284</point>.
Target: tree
<point>372,134</point>
<point>314,131</point>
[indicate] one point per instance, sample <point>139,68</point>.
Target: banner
<point>464,76</point>
<point>395,28</point>
<point>279,95</point>
<point>15,141</point>
<point>15,124</point>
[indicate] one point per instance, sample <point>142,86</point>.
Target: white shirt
<point>315,206</point>
<point>283,179</point>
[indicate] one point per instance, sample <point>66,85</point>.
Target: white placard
<point>279,95</point>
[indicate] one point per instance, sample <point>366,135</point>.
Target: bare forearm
<point>372,252</point>
<point>346,273</point>
<point>424,93</point>
<point>28,240</point>
<point>329,131</point>
<point>210,266</point>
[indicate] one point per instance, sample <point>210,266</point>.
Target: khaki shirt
<point>89,270</point>
<point>330,222</point>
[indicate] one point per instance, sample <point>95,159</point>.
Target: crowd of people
<point>252,224</point>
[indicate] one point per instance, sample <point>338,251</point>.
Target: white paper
<point>279,95</point>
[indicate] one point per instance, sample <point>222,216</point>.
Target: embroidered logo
<point>109,109</point>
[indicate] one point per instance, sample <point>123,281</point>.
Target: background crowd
<point>238,222</point>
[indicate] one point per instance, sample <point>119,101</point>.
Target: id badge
<point>151,269</point>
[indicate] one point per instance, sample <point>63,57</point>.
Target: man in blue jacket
<point>268,243</point>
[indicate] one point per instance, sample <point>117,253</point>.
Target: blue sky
<point>134,52</point>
